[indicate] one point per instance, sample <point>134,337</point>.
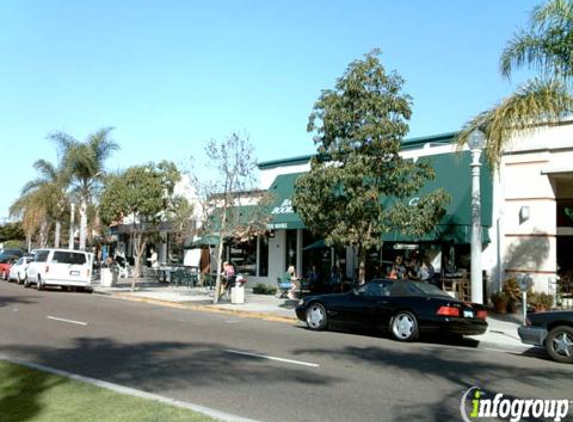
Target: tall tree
<point>84,163</point>
<point>547,47</point>
<point>52,181</point>
<point>145,196</point>
<point>222,192</point>
<point>359,126</point>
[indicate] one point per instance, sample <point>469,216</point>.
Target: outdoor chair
<point>283,287</point>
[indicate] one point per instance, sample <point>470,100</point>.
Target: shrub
<point>264,289</point>
<point>511,289</point>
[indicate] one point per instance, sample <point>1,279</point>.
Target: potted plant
<point>541,301</point>
<point>500,300</point>
<point>513,292</point>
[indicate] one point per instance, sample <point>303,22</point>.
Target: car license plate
<point>76,273</point>
<point>468,313</point>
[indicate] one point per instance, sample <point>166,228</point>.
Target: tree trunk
<point>140,245</point>
<point>57,234</point>
<point>361,265</point>
<point>220,256</point>
<point>83,223</point>
<point>44,234</point>
<point>219,269</point>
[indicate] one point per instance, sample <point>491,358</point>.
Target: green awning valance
<point>453,174</point>
<point>282,214</point>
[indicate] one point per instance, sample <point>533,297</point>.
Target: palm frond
<point>536,103</point>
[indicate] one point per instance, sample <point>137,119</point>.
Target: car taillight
<point>481,314</point>
<point>448,311</point>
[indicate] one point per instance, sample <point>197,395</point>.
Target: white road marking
<point>256,355</point>
<point>67,320</point>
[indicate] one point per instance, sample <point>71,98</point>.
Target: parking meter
<point>524,281</point>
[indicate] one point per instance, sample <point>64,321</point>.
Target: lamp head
<point>476,140</point>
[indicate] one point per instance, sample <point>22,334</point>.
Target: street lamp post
<point>476,142</point>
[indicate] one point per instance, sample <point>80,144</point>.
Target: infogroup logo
<point>477,404</point>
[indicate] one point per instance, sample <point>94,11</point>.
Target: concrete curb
<point>212,413</point>
<point>205,308</point>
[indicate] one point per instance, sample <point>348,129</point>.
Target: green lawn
<point>31,395</point>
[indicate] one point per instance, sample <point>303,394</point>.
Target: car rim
<point>315,316</point>
<point>403,326</point>
<point>563,344</point>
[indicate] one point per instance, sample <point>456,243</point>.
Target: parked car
<point>13,251</point>
<point>404,308</point>
<point>18,270</point>
<point>60,267</point>
<point>552,330</point>
<point>6,262</point>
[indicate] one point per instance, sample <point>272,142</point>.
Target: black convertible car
<point>552,330</point>
<point>405,308</point>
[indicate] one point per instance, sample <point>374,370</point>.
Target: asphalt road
<point>217,361</point>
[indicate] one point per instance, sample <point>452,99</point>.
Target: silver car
<point>18,270</point>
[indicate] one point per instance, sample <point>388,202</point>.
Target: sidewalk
<point>501,335</point>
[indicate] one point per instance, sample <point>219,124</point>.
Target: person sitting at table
<point>427,271</point>
<point>334,279</point>
<point>313,278</point>
<point>397,270</point>
<point>413,269</point>
<point>291,275</point>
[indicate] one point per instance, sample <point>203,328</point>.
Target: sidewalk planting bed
<point>31,395</point>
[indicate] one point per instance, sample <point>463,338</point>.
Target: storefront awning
<point>282,213</point>
<point>452,174</point>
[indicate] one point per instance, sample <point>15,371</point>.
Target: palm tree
<point>84,164</point>
<point>31,208</point>
<point>51,184</point>
<point>546,47</point>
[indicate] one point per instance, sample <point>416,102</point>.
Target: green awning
<point>453,174</point>
<point>282,213</point>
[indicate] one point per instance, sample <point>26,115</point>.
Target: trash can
<point>237,295</point>
<point>106,277</point>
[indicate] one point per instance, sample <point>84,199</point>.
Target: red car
<point>6,262</point>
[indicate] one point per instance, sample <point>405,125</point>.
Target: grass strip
<point>29,395</point>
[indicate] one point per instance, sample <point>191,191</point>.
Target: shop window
<point>244,257</point>
<point>175,250</point>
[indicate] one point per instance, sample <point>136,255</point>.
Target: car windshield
<point>415,288</point>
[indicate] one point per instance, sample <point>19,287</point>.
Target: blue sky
<point>171,74</point>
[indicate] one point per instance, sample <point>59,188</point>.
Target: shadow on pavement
<point>14,300</point>
<point>166,368</point>
<point>447,366</point>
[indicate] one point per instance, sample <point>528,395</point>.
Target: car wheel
<point>21,280</point>
<point>559,344</point>
<point>39,284</point>
<point>26,283</point>
<point>316,316</point>
<point>404,326</point>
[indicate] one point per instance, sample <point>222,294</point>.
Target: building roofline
<point>442,138</point>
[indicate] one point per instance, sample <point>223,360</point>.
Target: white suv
<point>60,267</point>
